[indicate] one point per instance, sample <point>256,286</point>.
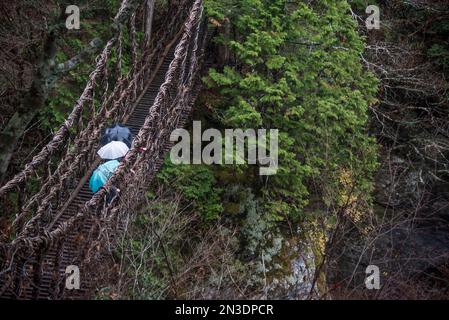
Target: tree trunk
<point>32,101</point>
<point>149,10</point>
<point>223,50</point>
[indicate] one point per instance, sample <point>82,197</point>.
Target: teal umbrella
<point>102,174</point>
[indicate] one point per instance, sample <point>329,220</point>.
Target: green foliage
<point>197,185</point>
<point>361,5</point>
<point>297,69</point>
<point>95,22</point>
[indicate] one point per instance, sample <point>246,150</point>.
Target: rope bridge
<point>60,222</point>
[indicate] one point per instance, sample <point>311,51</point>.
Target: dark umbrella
<point>117,132</point>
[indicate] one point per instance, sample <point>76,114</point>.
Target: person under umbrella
<point>113,150</point>
<point>102,174</point>
<point>116,143</point>
<point>117,132</point>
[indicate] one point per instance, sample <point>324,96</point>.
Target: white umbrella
<point>113,150</point>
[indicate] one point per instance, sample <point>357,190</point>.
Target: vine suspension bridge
<point>60,222</point>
